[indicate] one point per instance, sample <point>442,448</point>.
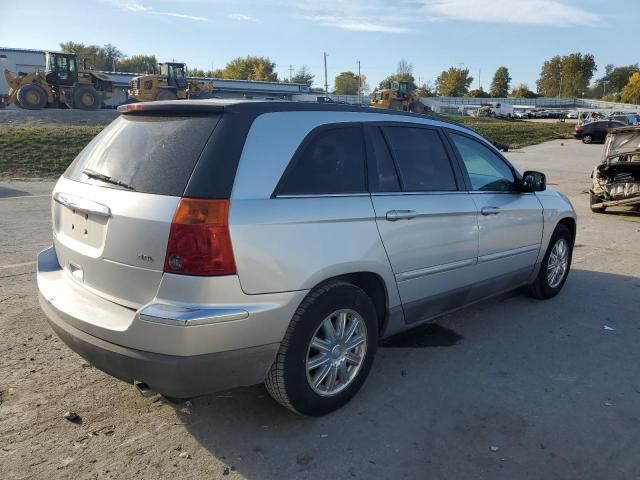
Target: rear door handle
<point>393,215</point>
<point>490,210</point>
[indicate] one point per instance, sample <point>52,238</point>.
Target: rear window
<point>145,153</point>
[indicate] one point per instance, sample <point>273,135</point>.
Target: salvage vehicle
<point>595,131</point>
<point>200,245</point>
<point>616,181</point>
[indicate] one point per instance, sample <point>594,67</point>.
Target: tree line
<point>560,76</point>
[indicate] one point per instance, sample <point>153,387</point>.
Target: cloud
<point>354,24</point>
<point>409,15</point>
<point>137,7</point>
<point>242,17</point>
<point>524,12</point>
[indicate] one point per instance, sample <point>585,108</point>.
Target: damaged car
<point>616,181</point>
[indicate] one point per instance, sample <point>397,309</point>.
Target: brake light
<point>579,128</point>
<point>199,241</point>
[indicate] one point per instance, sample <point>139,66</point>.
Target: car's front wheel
<point>327,351</point>
<point>555,265</point>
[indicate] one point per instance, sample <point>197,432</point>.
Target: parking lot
<point>509,388</point>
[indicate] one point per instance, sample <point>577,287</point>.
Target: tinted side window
<point>486,170</point>
<point>331,162</point>
<point>421,158</point>
<point>383,177</point>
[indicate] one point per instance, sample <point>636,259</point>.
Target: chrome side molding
<point>82,204</point>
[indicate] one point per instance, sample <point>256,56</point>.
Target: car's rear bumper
<point>171,375</point>
<point>178,349</point>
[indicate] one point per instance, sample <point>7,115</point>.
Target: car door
<point>426,220</point>
<point>510,222</point>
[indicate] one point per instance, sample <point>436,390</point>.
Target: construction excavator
<point>397,97</point>
<point>61,85</point>
<point>167,82</point>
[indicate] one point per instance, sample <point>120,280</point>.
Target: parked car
<point>572,114</point>
<point>203,245</point>
<point>627,119</point>
<point>595,131</point>
<point>616,181</point>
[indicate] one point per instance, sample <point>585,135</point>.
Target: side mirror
<point>533,181</point>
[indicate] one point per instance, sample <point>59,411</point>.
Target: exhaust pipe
<point>144,389</point>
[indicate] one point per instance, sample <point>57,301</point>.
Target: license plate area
<point>79,230</point>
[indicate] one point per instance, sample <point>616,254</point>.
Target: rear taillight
<point>579,128</point>
<point>199,242</point>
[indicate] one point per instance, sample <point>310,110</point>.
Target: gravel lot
<point>510,388</point>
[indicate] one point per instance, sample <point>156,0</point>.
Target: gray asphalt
<point>511,388</point>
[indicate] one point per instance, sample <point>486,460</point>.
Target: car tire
<point>587,139</point>
<point>417,107</point>
<point>32,97</point>
<point>561,247</point>
<point>313,373</point>
<point>593,200</point>
<point>86,98</point>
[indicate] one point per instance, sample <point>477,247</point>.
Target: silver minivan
<point>204,245</point>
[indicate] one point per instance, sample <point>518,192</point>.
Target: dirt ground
<point>511,388</point>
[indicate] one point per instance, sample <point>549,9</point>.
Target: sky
<point>432,35</point>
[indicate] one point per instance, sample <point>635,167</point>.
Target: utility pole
<point>479,83</point>
<point>560,90</point>
<point>359,84</point>
<point>290,71</point>
<point>604,88</point>
<point>326,83</point>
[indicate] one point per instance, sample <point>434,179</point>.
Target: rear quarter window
<point>148,153</point>
<point>330,161</point>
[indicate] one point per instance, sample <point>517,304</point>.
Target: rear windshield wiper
<point>105,178</point>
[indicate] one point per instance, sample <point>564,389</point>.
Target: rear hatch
<point>112,209</point>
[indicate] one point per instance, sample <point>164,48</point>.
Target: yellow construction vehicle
<point>169,83</point>
<point>61,85</point>
<point>397,97</point>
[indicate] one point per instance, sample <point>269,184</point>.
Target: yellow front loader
<point>169,83</point>
<point>61,85</point>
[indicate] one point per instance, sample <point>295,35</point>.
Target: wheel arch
<point>570,223</point>
<point>374,286</point>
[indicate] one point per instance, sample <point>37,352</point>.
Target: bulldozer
<point>397,97</point>
<point>167,82</point>
<point>61,85</point>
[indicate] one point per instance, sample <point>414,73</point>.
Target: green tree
<point>137,63</point>
<point>195,72</point>
<point>347,83</point>
<point>249,68</point>
<point>454,82</point>
<point>478,93</point>
<point>96,57</point>
<point>631,91</point>
<point>303,75</point>
<point>566,76</point>
<point>404,73</point>
<point>500,83</point>
<point>614,80</point>
<point>426,90</point>
<point>522,91</point>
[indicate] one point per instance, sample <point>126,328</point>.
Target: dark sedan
<point>595,131</point>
